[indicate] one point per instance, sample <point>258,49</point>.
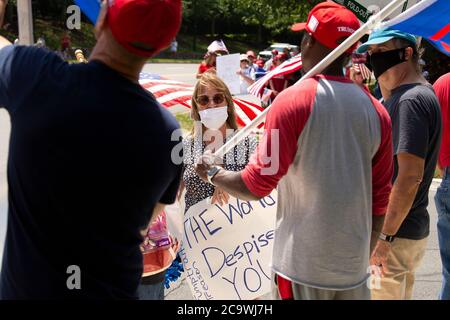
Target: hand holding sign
<point>220,197</point>
<point>226,250</point>
<point>206,161</point>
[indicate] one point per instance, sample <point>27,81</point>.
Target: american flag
<point>287,67</point>
<point>176,96</point>
<point>359,65</point>
<point>362,68</point>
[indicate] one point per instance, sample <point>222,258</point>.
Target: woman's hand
<point>220,197</point>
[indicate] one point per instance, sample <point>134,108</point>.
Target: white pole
<point>25,16</point>
<point>373,22</point>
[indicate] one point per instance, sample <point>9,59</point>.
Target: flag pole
<point>25,16</point>
<point>371,24</point>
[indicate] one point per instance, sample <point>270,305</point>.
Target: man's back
<point>89,159</point>
<point>335,149</point>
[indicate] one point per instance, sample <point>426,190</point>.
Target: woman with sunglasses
<point>215,122</point>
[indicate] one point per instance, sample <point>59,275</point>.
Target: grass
<point>185,121</point>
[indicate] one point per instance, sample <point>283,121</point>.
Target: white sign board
<point>227,66</point>
<point>363,9</point>
<point>226,250</point>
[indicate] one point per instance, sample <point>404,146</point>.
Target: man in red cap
<point>89,158</point>
<point>331,160</point>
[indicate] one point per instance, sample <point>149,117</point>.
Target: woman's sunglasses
<point>204,100</point>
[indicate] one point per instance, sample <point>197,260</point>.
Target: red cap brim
<point>298,26</point>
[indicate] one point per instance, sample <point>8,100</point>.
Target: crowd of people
<point>91,161</point>
<point>252,67</point>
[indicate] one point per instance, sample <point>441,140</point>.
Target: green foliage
<point>276,16</point>
<point>185,121</point>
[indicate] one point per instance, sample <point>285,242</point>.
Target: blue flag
<point>90,8</point>
<point>429,19</point>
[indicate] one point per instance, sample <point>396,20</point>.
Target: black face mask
<point>382,61</point>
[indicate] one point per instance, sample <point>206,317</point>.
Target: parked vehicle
<point>267,53</point>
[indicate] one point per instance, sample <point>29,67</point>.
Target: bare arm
<point>410,175</point>
<point>3,41</point>
<point>232,183</point>
<point>229,181</point>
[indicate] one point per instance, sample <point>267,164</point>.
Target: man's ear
<point>307,40</point>
<point>101,19</point>
<point>409,52</point>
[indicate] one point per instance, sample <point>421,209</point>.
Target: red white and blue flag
<point>176,96</point>
<point>429,19</point>
<point>287,67</point>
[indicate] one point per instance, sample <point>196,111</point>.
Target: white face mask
<point>214,118</point>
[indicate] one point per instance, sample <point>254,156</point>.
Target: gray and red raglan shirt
<point>333,163</point>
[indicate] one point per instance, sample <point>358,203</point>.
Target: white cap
<point>243,57</point>
<point>217,45</point>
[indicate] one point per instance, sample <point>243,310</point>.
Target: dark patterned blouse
<point>235,160</point>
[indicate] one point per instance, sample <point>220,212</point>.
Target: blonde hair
<point>210,79</point>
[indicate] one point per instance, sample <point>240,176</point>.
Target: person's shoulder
<point>168,118</point>
<point>443,81</point>
<point>297,98</point>
<point>305,86</point>
<point>419,98</point>
<point>24,54</point>
<point>38,52</point>
<point>148,106</point>
<point>414,91</point>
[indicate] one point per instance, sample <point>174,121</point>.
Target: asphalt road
<point>428,277</point>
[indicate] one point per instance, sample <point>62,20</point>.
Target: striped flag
<point>359,65</point>
<point>429,19</point>
<point>361,68</point>
<point>287,67</point>
<point>176,96</point>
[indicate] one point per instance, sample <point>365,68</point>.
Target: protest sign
<point>227,66</point>
<point>226,250</point>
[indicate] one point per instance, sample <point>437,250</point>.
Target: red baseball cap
<point>144,27</point>
<point>330,23</point>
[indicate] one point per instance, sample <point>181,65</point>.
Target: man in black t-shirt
<point>416,125</point>
<point>89,158</point>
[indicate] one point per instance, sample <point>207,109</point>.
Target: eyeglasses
<point>204,100</point>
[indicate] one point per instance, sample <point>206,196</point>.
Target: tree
<point>255,13</point>
<point>276,16</point>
